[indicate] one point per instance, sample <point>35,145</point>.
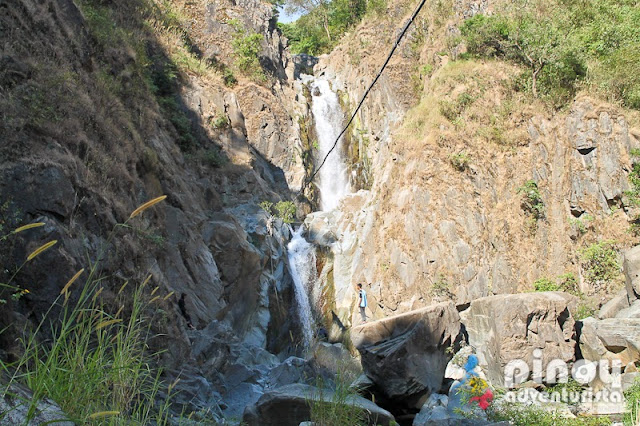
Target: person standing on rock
<point>362,302</point>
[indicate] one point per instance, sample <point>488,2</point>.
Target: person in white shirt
<point>362,302</point>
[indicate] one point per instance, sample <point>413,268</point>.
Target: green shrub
<point>521,415</point>
<point>442,288</point>
<point>247,46</point>
<point>569,283</point>
<point>632,396</point>
<point>286,211</point>
<point>460,161</point>
<point>532,200</point>
<point>545,284</point>
<point>600,262</point>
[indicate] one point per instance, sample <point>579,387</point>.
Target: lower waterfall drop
<point>302,264</point>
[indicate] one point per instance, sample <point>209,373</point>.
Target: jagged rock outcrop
<point>290,406</point>
<point>406,355</point>
<point>610,339</point>
<point>504,328</point>
<point>101,123</point>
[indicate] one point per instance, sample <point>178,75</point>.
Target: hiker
<point>362,302</point>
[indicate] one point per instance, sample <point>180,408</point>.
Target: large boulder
<point>406,355</point>
<point>291,405</point>
<point>510,327</point>
<point>631,266</point>
<point>610,339</point>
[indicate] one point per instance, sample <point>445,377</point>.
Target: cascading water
<point>329,118</point>
<point>334,184</point>
<point>302,263</point>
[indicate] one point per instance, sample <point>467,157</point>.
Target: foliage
<point>220,121</point>
<point>563,43</point>
<point>460,161</point>
<point>632,396</point>
<point>247,46</point>
<point>442,288</point>
<point>545,284</point>
<point>319,29</point>
<point>286,211</point>
<point>521,415</point>
<point>95,364</point>
<point>581,223</point>
<point>339,410</point>
<point>532,199</point>
<point>584,310</point>
<point>600,262</point>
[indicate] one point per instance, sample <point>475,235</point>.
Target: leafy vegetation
<point>521,415</point>
<point>247,46</point>
<point>323,22</point>
<point>563,43</point>
<point>632,396</point>
<point>441,288</point>
<point>600,262</point>
<point>545,284</point>
<point>285,210</point>
<point>532,199</point>
<point>460,161</point>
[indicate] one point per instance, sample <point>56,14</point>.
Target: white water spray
<point>302,264</point>
<point>333,185</point>
<point>329,118</point>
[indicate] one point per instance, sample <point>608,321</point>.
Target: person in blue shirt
<point>362,302</point>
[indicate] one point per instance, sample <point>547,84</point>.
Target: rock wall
<point>428,230</point>
<point>87,138</point>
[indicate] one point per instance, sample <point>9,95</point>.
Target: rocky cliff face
<point>447,214</point>
<point>106,106</point>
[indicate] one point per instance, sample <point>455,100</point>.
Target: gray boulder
<point>631,266</point>
<point>406,355</point>
<point>615,305</point>
<point>510,327</point>
<point>290,406</point>
<point>632,311</point>
<point>15,405</point>
<point>610,339</point>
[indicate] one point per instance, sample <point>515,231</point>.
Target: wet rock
<point>610,339</point>
<point>405,356</point>
<point>509,327</point>
<point>289,406</point>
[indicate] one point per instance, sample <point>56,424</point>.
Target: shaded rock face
<point>88,141</point>
<point>631,267</point>
<point>406,355</point>
<point>289,406</point>
<point>505,328</point>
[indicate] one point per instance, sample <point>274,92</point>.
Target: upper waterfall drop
<point>329,119</point>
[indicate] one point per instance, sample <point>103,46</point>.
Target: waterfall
<point>333,185</point>
<point>329,118</point>
<point>302,264</point>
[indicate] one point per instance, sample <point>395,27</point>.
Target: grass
<point>338,410</point>
<point>520,415</point>
<point>632,396</point>
<point>94,363</point>
<point>600,262</point>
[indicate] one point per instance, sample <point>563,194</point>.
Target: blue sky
<point>286,18</point>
